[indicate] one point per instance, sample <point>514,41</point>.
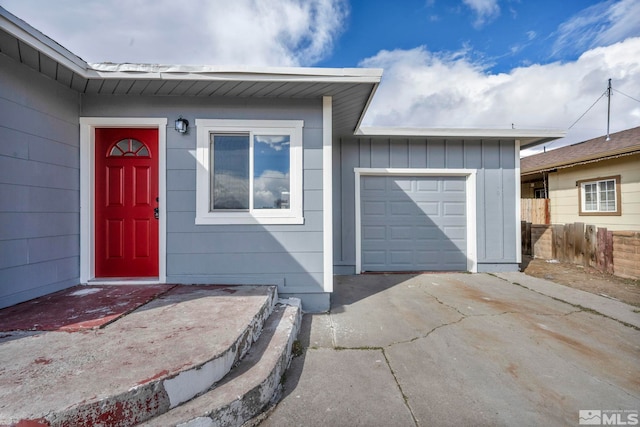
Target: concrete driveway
<point>458,349</point>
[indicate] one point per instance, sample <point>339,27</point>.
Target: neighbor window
<point>249,171</point>
<point>540,193</point>
<point>600,196</point>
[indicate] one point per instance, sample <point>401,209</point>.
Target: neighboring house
<point>273,182</point>
<point>595,182</point>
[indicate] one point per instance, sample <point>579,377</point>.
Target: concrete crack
<point>445,304</point>
<point>425,335</point>
<point>581,308</point>
<point>405,398</point>
<point>333,331</point>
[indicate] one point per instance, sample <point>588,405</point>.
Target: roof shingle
<point>624,142</point>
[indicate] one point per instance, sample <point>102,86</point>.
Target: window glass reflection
<point>272,182</point>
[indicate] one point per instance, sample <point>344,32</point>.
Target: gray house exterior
<point>355,199</point>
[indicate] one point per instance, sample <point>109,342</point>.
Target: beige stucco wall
<point>564,193</point>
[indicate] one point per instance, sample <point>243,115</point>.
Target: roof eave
<point>34,38</point>
<point>584,160</point>
<point>236,73</point>
<point>527,137</point>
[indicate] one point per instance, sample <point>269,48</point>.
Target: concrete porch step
<point>250,386</point>
<point>153,359</point>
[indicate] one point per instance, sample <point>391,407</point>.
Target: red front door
<point>126,202</point>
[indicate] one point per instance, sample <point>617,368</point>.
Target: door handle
<point>156,213</point>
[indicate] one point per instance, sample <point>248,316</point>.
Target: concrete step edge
<point>161,394</point>
<point>251,385</point>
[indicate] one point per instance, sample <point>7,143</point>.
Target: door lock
<point>156,213</point>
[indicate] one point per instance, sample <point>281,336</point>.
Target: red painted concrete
<point>78,308</point>
<point>116,376</point>
<point>32,423</point>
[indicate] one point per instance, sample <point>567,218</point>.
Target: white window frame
<point>206,127</point>
<point>597,182</point>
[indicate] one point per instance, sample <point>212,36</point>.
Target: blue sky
<point>531,64</point>
<point>511,34</point>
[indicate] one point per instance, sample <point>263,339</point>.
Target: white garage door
<point>413,223</point>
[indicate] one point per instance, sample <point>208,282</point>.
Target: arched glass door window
<point>130,148</point>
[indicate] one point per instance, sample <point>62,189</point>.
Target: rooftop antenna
<point>608,109</point>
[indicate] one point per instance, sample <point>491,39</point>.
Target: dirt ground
<point>584,278</point>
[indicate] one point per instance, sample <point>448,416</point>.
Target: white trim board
<point>470,191</point>
<point>518,195</point>
<point>87,186</point>
<point>327,192</point>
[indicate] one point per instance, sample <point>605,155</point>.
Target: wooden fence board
<point>576,244</point>
<point>535,211</point>
<point>591,246</point>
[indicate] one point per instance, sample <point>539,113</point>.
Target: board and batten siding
<point>495,193</point>
<point>39,185</point>
<point>289,256</point>
<point>563,193</point>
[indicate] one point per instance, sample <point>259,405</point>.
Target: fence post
<point>578,240</point>
<point>608,253</point>
<point>591,248</point>
<point>605,249</point>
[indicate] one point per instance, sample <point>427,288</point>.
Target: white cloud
<point>598,25</point>
<point>485,10</point>
<point>199,32</point>
<point>277,32</point>
<point>269,188</point>
<point>423,89</point>
<point>275,142</point>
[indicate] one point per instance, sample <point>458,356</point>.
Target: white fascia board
<point>34,38</point>
<point>254,74</point>
<point>524,135</point>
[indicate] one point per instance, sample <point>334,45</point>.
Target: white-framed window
<point>600,196</point>
<point>249,171</point>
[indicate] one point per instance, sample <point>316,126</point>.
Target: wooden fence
<point>571,243</point>
<point>535,211</point>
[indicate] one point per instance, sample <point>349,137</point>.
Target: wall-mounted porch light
<point>182,125</point>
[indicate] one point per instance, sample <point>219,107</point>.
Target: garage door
<point>413,223</point>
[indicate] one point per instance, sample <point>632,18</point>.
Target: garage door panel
<point>453,209</point>
<point>374,232</point>
<point>375,183</point>
<point>375,258</point>
<point>429,260</point>
<point>427,186</point>
<point>398,258</point>
<point>405,208</point>
<point>399,232</point>
<point>429,208</point>
<point>455,232</point>
<point>374,208</point>
<point>427,233</point>
<point>422,225</point>
<point>455,185</point>
<point>399,186</point>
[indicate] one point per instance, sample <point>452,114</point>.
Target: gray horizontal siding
<point>242,242</point>
<point>39,184</point>
<point>290,256</point>
<point>495,191</point>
